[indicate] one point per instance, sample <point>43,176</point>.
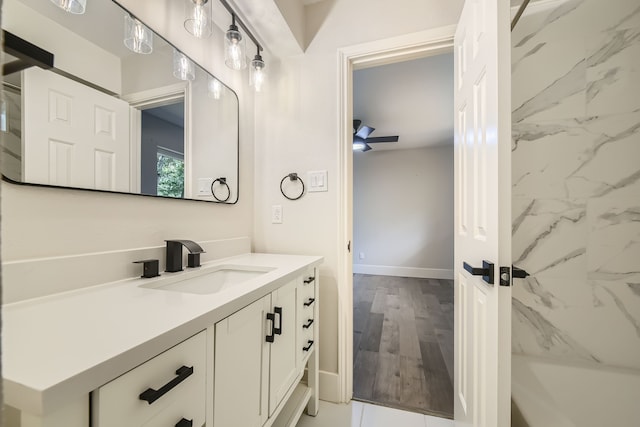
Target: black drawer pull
<point>184,423</point>
<point>278,330</point>
<point>309,323</point>
<point>309,280</point>
<point>151,395</point>
<point>308,347</point>
<point>272,317</point>
<point>308,303</point>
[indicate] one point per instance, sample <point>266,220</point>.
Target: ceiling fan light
<point>77,7</point>
<point>198,18</point>
<point>359,146</point>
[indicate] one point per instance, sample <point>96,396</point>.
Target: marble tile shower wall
<point>576,181</point>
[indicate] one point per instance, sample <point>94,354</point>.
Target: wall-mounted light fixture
<point>183,68</point>
<point>197,19</point>
<point>137,36</point>
<point>235,56</point>
<point>234,50</point>
<point>77,7</point>
<point>256,72</point>
<point>214,87</point>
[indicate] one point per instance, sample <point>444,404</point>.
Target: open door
<point>482,381</point>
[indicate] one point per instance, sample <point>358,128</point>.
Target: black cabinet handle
<point>278,330</point>
<point>184,423</point>
<point>272,317</point>
<point>309,323</point>
<point>308,347</point>
<point>486,271</point>
<point>151,395</point>
<point>309,280</point>
<point>308,303</point>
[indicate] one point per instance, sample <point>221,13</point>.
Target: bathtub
<point>550,394</point>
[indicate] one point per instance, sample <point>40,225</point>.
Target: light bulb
<point>257,75</point>
<point>234,52</point>
<point>137,37</point>
<point>183,68</point>
<point>358,146</point>
<point>215,87</point>
<point>198,18</point>
<point>77,7</point>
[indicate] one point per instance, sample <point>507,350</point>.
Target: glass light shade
<point>257,75</point>
<point>76,7</point>
<point>214,87</point>
<point>183,68</point>
<point>198,18</point>
<point>137,37</point>
<point>234,50</point>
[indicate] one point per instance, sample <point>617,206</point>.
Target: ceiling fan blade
<point>356,125</point>
<point>365,131</point>
<point>382,139</point>
<point>366,148</point>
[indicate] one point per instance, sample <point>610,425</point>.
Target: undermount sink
<point>212,280</point>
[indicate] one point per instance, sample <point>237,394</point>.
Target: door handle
<point>308,324</point>
<point>518,273</point>
<point>272,318</point>
<point>278,330</point>
<point>486,271</point>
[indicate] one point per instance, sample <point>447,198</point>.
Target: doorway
<point>403,235</point>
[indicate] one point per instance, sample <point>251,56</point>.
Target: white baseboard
<point>389,270</point>
<point>329,386</point>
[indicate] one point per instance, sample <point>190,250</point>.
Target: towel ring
<point>222,181</point>
<point>292,177</point>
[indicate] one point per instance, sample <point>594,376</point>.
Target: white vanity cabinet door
<point>178,378</point>
<point>241,367</point>
<point>284,368</point>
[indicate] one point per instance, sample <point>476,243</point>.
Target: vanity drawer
<point>160,392</point>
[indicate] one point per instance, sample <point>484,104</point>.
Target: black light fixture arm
<point>235,18</point>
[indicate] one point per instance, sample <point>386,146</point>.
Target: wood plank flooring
<point>403,343</point>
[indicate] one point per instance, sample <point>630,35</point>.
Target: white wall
<point>297,131</point>
<point>403,212</point>
<point>43,222</point>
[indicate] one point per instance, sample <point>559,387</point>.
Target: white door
<point>77,136</point>
<point>483,214</point>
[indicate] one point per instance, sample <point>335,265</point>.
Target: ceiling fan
<point>361,138</point>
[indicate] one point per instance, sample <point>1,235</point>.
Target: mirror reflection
<point>120,110</point>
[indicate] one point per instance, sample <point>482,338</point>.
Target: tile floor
<point>359,414</point>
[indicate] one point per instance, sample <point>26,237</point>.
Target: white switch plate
<point>276,214</point>
<point>317,181</point>
<point>204,186</point>
<point>361,255</point>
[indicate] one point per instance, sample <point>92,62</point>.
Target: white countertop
<point>60,347</point>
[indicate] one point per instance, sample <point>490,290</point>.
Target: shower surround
<point>576,181</point>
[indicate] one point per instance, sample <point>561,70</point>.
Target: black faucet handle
<point>150,267</point>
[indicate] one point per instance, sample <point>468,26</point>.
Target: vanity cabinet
<point>168,390</point>
<point>259,360</point>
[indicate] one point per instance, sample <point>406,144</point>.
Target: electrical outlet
<point>276,214</point>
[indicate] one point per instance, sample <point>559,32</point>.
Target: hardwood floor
<point>403,343</point>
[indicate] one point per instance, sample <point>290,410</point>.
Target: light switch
<point>276,214</point>
<point>317,181</point>
<point>204,186</point>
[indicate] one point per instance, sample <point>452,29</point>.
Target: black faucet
<point>174,254</point>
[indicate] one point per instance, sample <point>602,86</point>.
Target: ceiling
<point>412,99</point>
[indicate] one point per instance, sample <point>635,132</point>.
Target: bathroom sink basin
<point>212,280</point>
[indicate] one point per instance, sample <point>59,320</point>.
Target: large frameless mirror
<point>120,110</point>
